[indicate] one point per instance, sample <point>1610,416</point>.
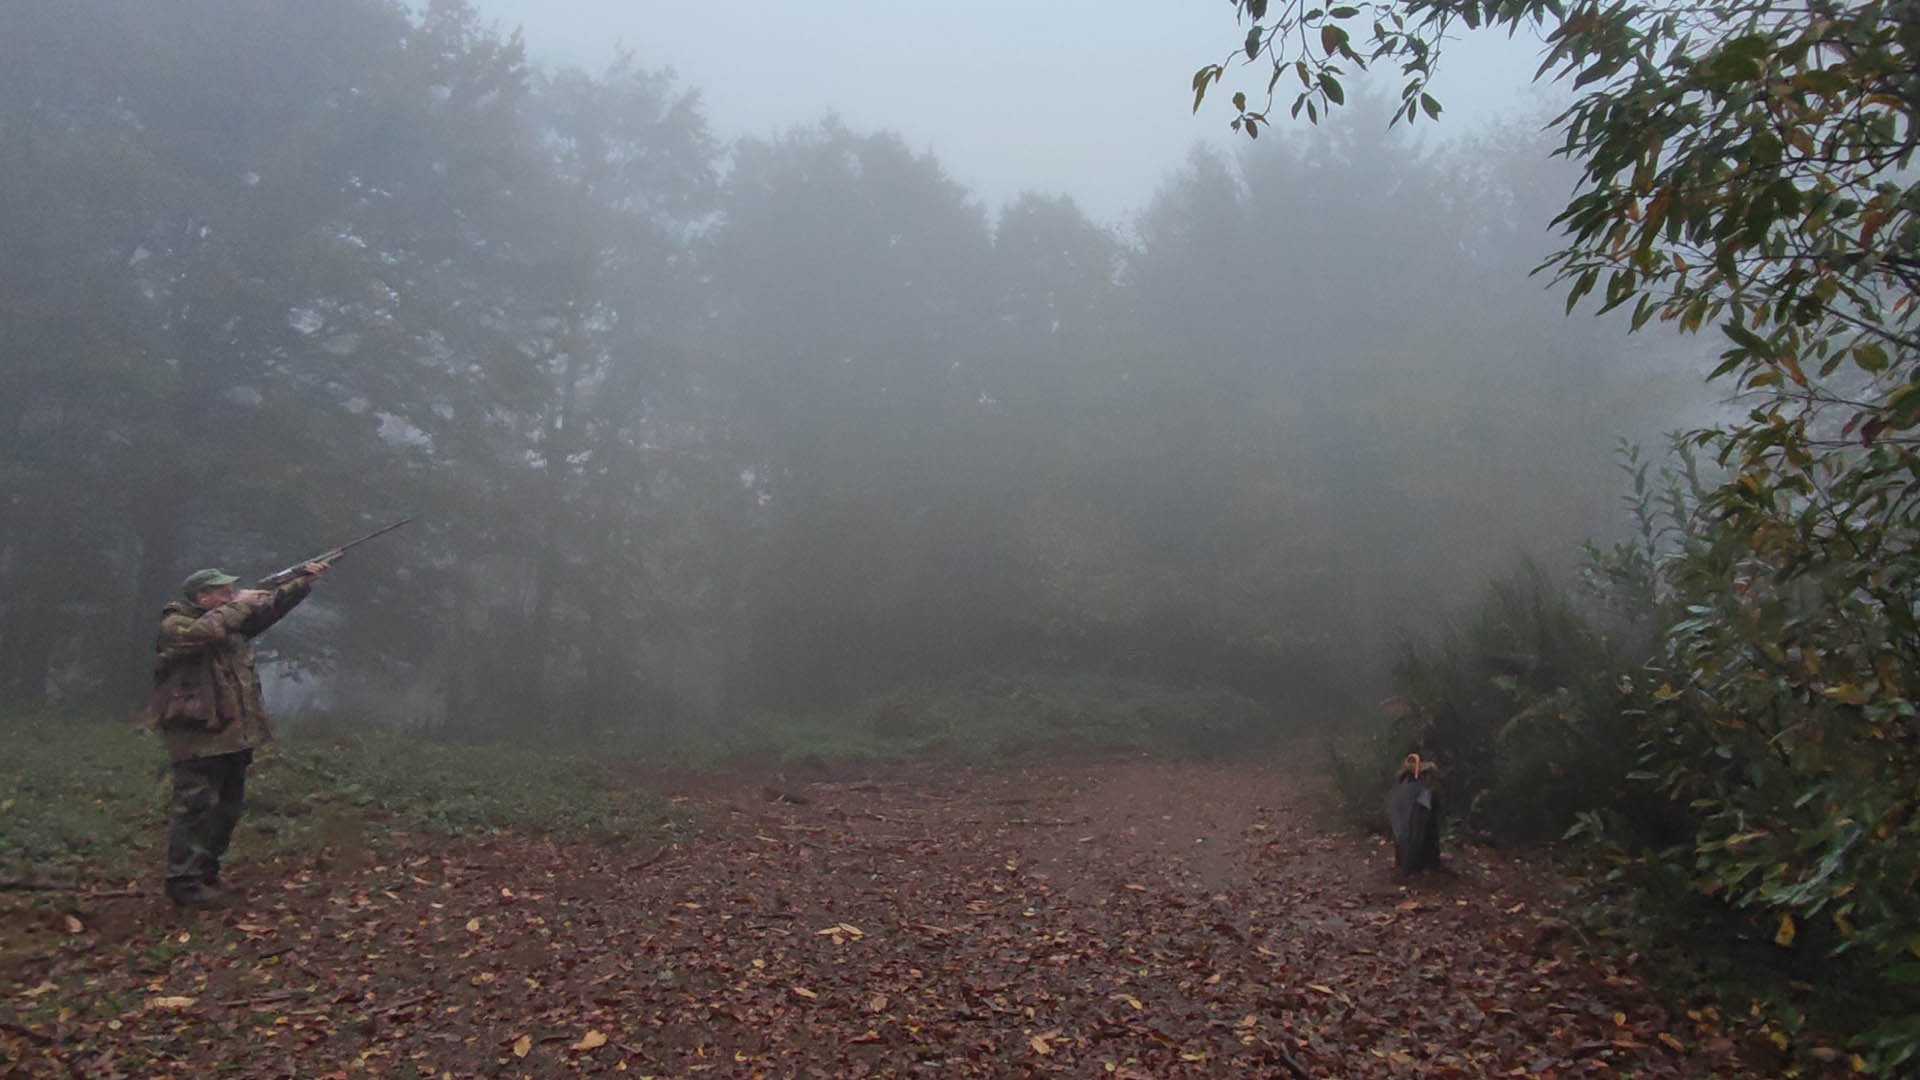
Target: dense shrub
<point>1517,704</point>
<point>1730,719</point>
<point>1780,710</point>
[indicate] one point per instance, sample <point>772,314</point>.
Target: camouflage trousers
<point>208,795</point>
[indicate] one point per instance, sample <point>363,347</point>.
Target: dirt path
<point>1122,919</point>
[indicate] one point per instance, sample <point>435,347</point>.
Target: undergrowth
<point>1516,703</point>
<point>88,797</point>
<point>1546,727</point>
<point>993,714</point>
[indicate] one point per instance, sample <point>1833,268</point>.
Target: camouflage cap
<point>205,579</point>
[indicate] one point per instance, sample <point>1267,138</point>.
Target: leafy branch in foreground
<point>1742,167</point>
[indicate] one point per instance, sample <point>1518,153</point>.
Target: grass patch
<point>81,798</point>
<point>455,789</point>
<point>993,714</point>
<point>76,794</point>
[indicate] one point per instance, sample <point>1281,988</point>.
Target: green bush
<point>1517,704</point>
<point>1780,710</point>
<point>1732,723</point>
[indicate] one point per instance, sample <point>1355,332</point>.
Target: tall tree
<point>299,266</point>
<point>854,280</point>
<point>173,214</point>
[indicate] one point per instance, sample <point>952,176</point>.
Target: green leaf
<point>1745,338</point>
<point>1581,287</point>
<point>1730,359</point>
<point>1642,311</point>
<point>1330,86</point>
<point>1430,106</point>
<point>1870,357</point>
<point>1903,408</point>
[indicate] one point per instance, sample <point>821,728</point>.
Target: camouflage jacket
<point>206,695</point>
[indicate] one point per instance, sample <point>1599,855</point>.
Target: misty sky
<point>1084,97</point>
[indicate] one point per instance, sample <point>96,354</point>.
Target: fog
<point>1088,98</point>
<point>737,390</point>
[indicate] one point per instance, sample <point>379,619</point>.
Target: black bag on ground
<point>1413,816</point>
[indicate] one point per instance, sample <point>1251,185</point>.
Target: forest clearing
<point>796,475</point>
<point>1125,917</point>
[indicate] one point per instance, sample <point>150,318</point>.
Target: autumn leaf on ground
<point>589,1041</point>
<point>350,978</point>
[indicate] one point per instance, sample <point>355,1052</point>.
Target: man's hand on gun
<point>309,571</point>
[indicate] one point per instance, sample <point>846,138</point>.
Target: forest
<point>788,456</point>
<point>691,431</point>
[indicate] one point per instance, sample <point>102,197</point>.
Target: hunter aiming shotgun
<point>207,705</point>
<point>281,577</point>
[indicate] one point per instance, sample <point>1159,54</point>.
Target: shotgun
<point>281,577</point>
